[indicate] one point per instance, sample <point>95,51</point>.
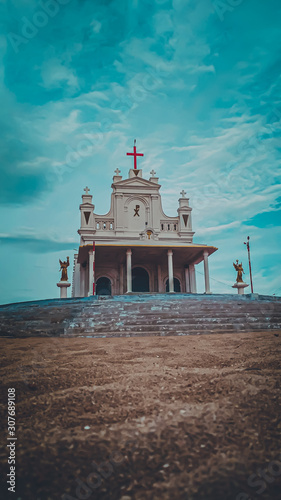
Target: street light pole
<point>249,257</point>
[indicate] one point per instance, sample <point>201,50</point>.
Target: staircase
<point>141,315</point>
<point>177,314</point>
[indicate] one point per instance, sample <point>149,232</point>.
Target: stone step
<point>181,328</point>
<point>155,327</point>
<point>146,333</point>
<point>178,312</point>
<point>127,319</point>
<point>107,328</point>
<point>141,315</point>
<point>143,321</point>
<point>180,307</point>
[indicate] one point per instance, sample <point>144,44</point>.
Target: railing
<point>104,225</point>
<point>169,226</point>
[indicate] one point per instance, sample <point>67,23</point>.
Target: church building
<point>135,247</point>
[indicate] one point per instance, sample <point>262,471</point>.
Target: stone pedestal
<point>240,287</point>
<point>63,285</point>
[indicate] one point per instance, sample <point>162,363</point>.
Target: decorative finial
<point>117,171</point>
<point>153,173</point>
<point>183,193</point>
<point>87,190</point>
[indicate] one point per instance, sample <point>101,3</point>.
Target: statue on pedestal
<point>240,270</point>
<point>239,284</point>
<point>63,268</point>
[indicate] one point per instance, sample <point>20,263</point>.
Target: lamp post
<point>249,258</point>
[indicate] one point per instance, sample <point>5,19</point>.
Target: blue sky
<point>196,82</point>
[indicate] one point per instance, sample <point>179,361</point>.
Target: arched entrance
<point>140,280</point>
<point>177,285</point>
<point>103,286</point>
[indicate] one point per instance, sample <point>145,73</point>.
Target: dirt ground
<point>195,417</point>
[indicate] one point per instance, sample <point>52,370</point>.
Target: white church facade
<point>135,247</point>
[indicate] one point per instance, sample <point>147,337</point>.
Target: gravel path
<point>173,418</point>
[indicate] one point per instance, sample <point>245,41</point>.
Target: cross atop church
<point>183,193</point>
<point>117,171</point>
<point>153,173</point>
<point>135,154</point>
<point>87,190</point>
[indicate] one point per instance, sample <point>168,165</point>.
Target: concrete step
<point>177,306</point>
<point>127,319</point>
<point>177,313</point>
<point>141,315</point>
<point>146,333</point>
<point>176,331</point>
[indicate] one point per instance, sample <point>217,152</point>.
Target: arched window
<point>177,285</point>
<point>103,286</point>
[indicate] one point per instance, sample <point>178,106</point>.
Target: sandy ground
<point>194,417</point>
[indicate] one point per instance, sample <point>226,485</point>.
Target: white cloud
<point>54,73</point>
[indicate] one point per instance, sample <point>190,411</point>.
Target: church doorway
<point>103,286</point>
<point>140,280</point>
<point>177,285</point>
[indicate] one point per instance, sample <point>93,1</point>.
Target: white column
<point>82,281</point>
<point>76,284</point>
<point>63,285</point>
<point>170,270</point>
<point>192,278</point>
<point>159,277</point>
<point>187,283</point>
<point>91,272</point>
<point>129,270</point>
<point>121,279</point>
<point>206,272</point>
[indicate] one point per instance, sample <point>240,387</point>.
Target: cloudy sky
<point>196,82</point>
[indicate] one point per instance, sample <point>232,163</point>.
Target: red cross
<point>135,154</point>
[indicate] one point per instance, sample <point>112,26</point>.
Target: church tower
<point>136,247</point>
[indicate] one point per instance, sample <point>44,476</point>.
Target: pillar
<point>170,271</point>
<point>187,283</point>
<point>206,272</point>
<point>63,286</point>
<point>91,272</point>
<point>159,277</point>
<point>76,283</point>
<point>129,270</point>
<point>82,281</point>
<point>192,278</point>
<point>121,279</point>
